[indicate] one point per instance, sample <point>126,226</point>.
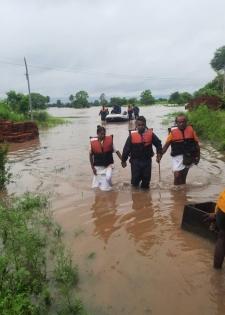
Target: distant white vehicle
<point>117,117</point>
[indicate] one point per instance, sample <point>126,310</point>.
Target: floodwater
<point>133,257</point>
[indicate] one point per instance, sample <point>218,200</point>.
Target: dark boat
<point>193,219</point>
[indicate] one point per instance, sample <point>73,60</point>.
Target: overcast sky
<point>119,47</point>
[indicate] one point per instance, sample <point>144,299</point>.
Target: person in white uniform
<point>101,159</point>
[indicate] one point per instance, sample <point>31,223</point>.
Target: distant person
<point>130,112</point>
<point>103,113</point>
<point>116,109</point>
<point>138,147</point>
<point>219,218</point>
<point>136,111</point>
<point>101,159</point>
<point>185,150</point>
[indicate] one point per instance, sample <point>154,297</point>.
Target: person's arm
<point>117,152</point>
<point>92,163</point>
<point>157,143</point>
<point>167,144</point>
<point>119,155</point>
<point>126,152</point>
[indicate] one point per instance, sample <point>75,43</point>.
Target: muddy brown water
<point>133,257</point>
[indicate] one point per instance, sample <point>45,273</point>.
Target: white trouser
<point>103,179</point>
<point>177,163</point>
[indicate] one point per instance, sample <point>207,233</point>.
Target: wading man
<point>185,150</point>
<point>139,148</point>
<point>101,159</point>
<point>103,113</point>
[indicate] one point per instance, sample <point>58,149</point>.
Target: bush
<point>4,170</point>
<point>209,125</point>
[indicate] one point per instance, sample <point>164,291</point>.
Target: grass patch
<point>5,174</point>
<point>43,119</point>
<point>34,278</point>
<point>209,125</point>
<point>7,113</point>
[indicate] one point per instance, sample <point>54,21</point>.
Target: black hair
<point>100,128</point>
<point>180,115</point>
<point>141,118</point>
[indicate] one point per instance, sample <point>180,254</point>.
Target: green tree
<point>114,101</point>
<point>18,102</point>
<point>39,101</point>
<point>71,98</point>
<point>103,100</point>
<point>81,99</point>
<point>132,101</point>
<point>96,103</point>
<point>185,97</point>
<point>147,98</point>
<point>218,61</point>
<point>174,98</point>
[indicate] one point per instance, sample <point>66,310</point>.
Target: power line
<point>94,72</point>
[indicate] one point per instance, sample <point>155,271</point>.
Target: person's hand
<point>158,157</point>
<point>94,170</point>
<point>124,164</point>
<point>209,217</point>
<point>197,159</point>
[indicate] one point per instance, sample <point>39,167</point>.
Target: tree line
<point>81,100</point>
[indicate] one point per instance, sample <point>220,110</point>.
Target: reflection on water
<point>144,262</point>
<point>104,214</point>
<point>139,223</point>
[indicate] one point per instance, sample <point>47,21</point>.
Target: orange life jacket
<point>178,135</point>
<point>145,138</point>
<point>183,142</point>
<point>221,202</point>
<point>106,146</point>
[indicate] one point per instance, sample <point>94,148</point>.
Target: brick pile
<point>17,132</point>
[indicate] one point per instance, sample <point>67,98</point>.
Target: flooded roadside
<point>132,255</point>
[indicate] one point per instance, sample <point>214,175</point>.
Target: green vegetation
<point>7,113</point>
<point>210,125</point>
<point>147,98</point>
<point>36,273</point>
<point>5,175</point>
<point>218,61</point>
<point>16,108</point>
<point>43,119</point>
<point>180,98</point>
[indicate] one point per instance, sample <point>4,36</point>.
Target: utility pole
<point>28,84</point>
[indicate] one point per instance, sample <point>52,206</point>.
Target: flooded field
<point>133,257</point>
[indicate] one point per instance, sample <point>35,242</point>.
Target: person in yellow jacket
<point>219,217</point>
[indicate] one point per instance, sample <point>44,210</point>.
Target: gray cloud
<point>117,47</point>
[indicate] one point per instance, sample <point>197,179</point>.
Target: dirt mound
<point>212,102</point>
<point>17,132</point>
